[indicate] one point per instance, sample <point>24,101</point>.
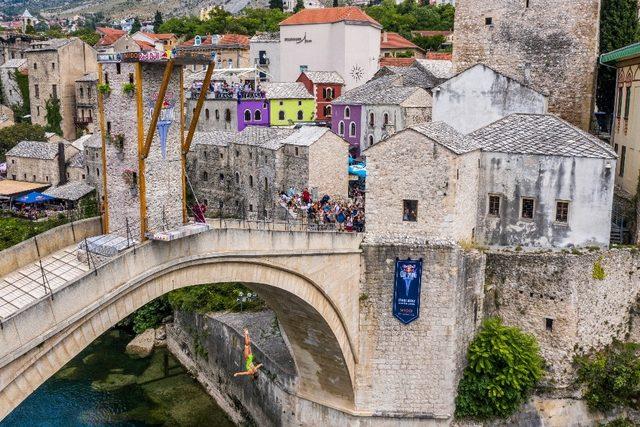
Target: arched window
<point>281,115</point>
<point>327,110</point>
<point>341,129</point>
<point>237,178</point>
<point>370,140</point>
<point>385,118</point>
<point>247,115</point>
<point>329,94</point>
<point>352,129</point>
<point>300,115</point>
<point>371,119</point>
<point>257,115</point>
<point>227,115</point>
<point>347,113</point>
<point>205,176</point>
<point>217,114</point>
<point>206,113</point>
<point>250,181</point>
<point>221,178</point>
<point>324,92</point>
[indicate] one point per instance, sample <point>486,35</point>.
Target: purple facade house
<point>252,112</point>
<point>346,120</point>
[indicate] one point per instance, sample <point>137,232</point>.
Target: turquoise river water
<point>103,386</point>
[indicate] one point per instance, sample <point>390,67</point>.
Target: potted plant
<point>104,88</point>
<point>128,88</point>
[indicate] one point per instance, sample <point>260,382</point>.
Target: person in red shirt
<point>306,196</point>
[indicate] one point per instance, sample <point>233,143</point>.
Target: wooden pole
<point>196,113</point>
<point>184,154</point>
<point>142,183</point>
<point>103,132</point>
<point>157,108</point>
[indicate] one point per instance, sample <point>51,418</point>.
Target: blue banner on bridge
<point>406,290</point>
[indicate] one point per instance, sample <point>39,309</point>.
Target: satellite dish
<point>197,41</point>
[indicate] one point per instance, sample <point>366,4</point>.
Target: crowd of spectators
<point>343,215</point>
<point>224,90</point>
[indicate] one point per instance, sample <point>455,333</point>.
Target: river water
<point>103,386</point>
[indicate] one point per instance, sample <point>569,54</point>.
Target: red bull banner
<point>406,290</point>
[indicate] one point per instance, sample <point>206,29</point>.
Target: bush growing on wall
<point>611,377</point>
<point>504,364</point>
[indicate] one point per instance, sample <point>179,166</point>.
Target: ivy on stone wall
<point>598,271</point>
<point>504,365</point>
<point>24,108</point>
<point>611,377</point>
<point>53,116</point>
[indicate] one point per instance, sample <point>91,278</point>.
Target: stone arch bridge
<point>310,279</point>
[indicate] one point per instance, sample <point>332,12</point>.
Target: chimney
<point>62,165</point>
<point>385,37</point>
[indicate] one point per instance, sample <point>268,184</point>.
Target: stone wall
<point>221,114</point>
<point>10,89</point>
<point>414,369</point>
<point>327,171</point>
<point>553,45</point>
<point>526,288</point>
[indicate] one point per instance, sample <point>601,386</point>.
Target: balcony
<point>83,121</point>
<point>261,61</point>
<point>230,95</point>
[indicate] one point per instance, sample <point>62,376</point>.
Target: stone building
<point>240,174</point>
<point>231,50</point>
<point>480,95</point>
<point>325,86</point>
<point>14,44</point>
<point>264,53</point>
<point>93,161</point>
<point>86,116</point>
<point>289,103</point>
<point>11,92</point>
<point>39,161</point>
<point>54,66</point>
<point>393,44</point>
<point>155,41</point>
<point>527,40</point>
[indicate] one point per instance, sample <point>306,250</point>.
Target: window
<point>304,68</point>
<point>527,208</point>
<point>237,178</point>
<point>299,103</point>
<point>81,93</point>
<point>106,78</point>
<point>118,69</point>
<point>562,211</point>
<point>627,103</point>
<point>257,115</point>
<point>494,205</point>
<point>54,91</point>
<point>488,21</point>
<point>266,184</point>
<point>34,177</point>
<point>82,176</point>
<point>250,180</point>
<point>300,115</point>
<point>281,115</point>
<point>548,324</point>
<point>371,119</point>
<point>217,114</point>
<point>221,178</point>
<point>89,92</point>
<point>38,110</point>
<point>324,92</point>
<point>206,113</point>
<point>327,111</point>
<point>221,156</point>
<point>46,178</point>
<point>131,78</point>
<point>35,66</point>
<point>109,128</point>
<point>615,147</point>
<point>352,129</point>
<point>237,153</point>
<point>205,176</point>
<point>227,115</point>
<point>410,210</point>
<point>526,3</point>
<point>347,113</point>
<point>229,63</point>
<point>250,207</point>
<point>370,139</point>
<point>385,119</point>
<point>619,108</point>
<point>280,103</point>
<point>36,88</point>
<point>296,151</point>
<point>329,93</point>
<point>341,128</point>
<point>247,115</point>
<point>623,156</point>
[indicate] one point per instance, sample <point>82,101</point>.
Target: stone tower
<point>550,44</point>
<point>144,189</point>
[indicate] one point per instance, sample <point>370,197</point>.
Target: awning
<point>11,188</point>
<point>623,53</point>
<point>34,197</point>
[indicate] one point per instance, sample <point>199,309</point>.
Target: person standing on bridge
<point>249,366</point>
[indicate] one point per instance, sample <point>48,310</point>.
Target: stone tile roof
<point>221,138</point>
<point>439,68</point>
<point>265,137</point>
<point>14,63</point>
<point>413,75</point>
<point>324,77</point>
<point>293,90</point>
<point>390,40</point>
<point>330,15</point>
<point>378,91</point>
<point>77,161</point>
<point>52,44</point>
<point>73,190</point>
<point>540,134</point>
<point>266,36</point>
<point>447,136</point>
<point>89,77</point>
<point>396,62</point>
<point>34,150</point>
<point>306,135</point>
<point>95,141</point>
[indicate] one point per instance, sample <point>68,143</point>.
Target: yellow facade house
<point>289,103</point>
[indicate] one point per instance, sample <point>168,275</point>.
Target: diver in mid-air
<point>250,368</point>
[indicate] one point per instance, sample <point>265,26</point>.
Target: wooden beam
<point>196,114</point>
<point>184,155</point>
<point>104,204</point>
<point>142,183</point>
<point>157,108</point>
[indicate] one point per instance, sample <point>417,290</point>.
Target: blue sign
<point>406,290</point>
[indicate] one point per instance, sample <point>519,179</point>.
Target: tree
<point>299,6</point>
<point>11,135</point>
<point>618,28</point>
<point>275,4</point>
<point>53,116</point>
<point>157,22</point>
<point>87,35</point>
<point>136,26</point>
<point>429,43</point>
<point>504,366</point>
<point>29,29</point>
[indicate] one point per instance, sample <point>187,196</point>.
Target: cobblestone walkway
<point>26,285</point>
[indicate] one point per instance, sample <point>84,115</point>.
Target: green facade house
<point>289,103</point>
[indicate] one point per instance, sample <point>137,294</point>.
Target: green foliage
<point>504,366</point>
<point>29,29</point>
<point>88,206</point>
<point>23,109</point>
<point>276,4</point>
<point>611,377</point>
<point>55,32</point>
<point>15,230</point>
<point>11,135</point>
<point>618,28</point>
<point>221,22</point>
<point>136,26</point>
<point>620,422</point>
<point>157,21</point>
<point>598,271</point>
<point>104,88</point>
<point>53,116</point>
<point>299,6</point>
<point>87,35</point>
<point>205,298</point>
<point>150,315</point>
<point>128,88</point>
<point>429,43</point>
<point>408,16</point>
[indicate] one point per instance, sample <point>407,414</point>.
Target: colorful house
<point>325,86</point>
<point>346,121</point>
<point>289,103</point>
<point>253,112</point>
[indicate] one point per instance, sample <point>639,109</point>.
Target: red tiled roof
<point>444,56</point>
<point>396,62</point>
<point>424,33</point>
<point>160,36</point>
<point>234,39</point>
<point>329,15</point>
<point>144,45</point>
<point>395,41</point>
<point>108,36</point>
<point>206,40</point>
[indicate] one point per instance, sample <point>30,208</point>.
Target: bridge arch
<point>321,338</point>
